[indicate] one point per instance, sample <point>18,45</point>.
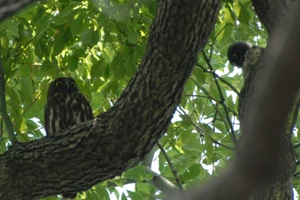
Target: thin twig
<point>201,132</point>
<point>26,109</point>
<point>3,112</point>
<point>220,78</point>
<point>174,171</point>
<point>215,106</point>
<point>222,101</point>
<point>208,97</point>
<point>211,100</point>
<point>222,29</point>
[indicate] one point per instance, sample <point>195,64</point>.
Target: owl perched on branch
<point>244,55</point>
<point>65,107</point>
<point>247,57</point>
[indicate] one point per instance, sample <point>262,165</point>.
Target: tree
<point>42,42</point>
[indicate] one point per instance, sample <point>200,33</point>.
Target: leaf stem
<point>222,100</point>
<point>174,171</point>
<point>3,112</point>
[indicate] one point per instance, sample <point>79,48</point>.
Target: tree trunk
<point>281,188</point>
<point>116,140</point>
<point>270,12</point>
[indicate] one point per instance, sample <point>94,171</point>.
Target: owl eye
<point>235,56</point>
<point>59,83</point>
<point>73,84</point>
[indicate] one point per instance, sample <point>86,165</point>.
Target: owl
<point>65,107</point>
<point>247,57</point>
<point>244,55</point>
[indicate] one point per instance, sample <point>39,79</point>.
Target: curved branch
<point>77,159</point>
<point>161,183</point>
<point>158,180</point>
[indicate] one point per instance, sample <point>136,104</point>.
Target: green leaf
<point>118,68</point>
<point>89,37</point>
<point>64,16</point>
<point>242,12</point>
<point>4,41</point>
<point>72,63</point>
<point>123,197</point>
<point>135,195</point>
<point>43,24</point>
<point>79,24</point>
<point>209,149</point>
<point>228,16</point>
<point>226,33</point>
<point>199,75</point>
<point>12,27</point>
<point>133,36</point>
<point>58,45</point>
<point>192,172</point>
<point>48,68</point>
<point>137,173</point>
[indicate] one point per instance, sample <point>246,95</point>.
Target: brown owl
<point>65,107</point>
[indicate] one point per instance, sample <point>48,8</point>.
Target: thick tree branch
<point>158,181</point>
<point>161,183</point>
<point>7,8</point>
<point>118,139</point>
<point>269,11</point>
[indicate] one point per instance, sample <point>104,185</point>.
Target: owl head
<point>236,53</point>
<point>62,85</point>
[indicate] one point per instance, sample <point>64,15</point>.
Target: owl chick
<point>244,55</point>
<point>65,107</point>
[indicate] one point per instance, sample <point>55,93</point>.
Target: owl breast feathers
<point>66,106</point>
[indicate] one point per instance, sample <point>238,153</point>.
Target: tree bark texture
<point>281,188</point>
<point>7,8</point>
<point>270,11</point>
<point>116,140</point>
